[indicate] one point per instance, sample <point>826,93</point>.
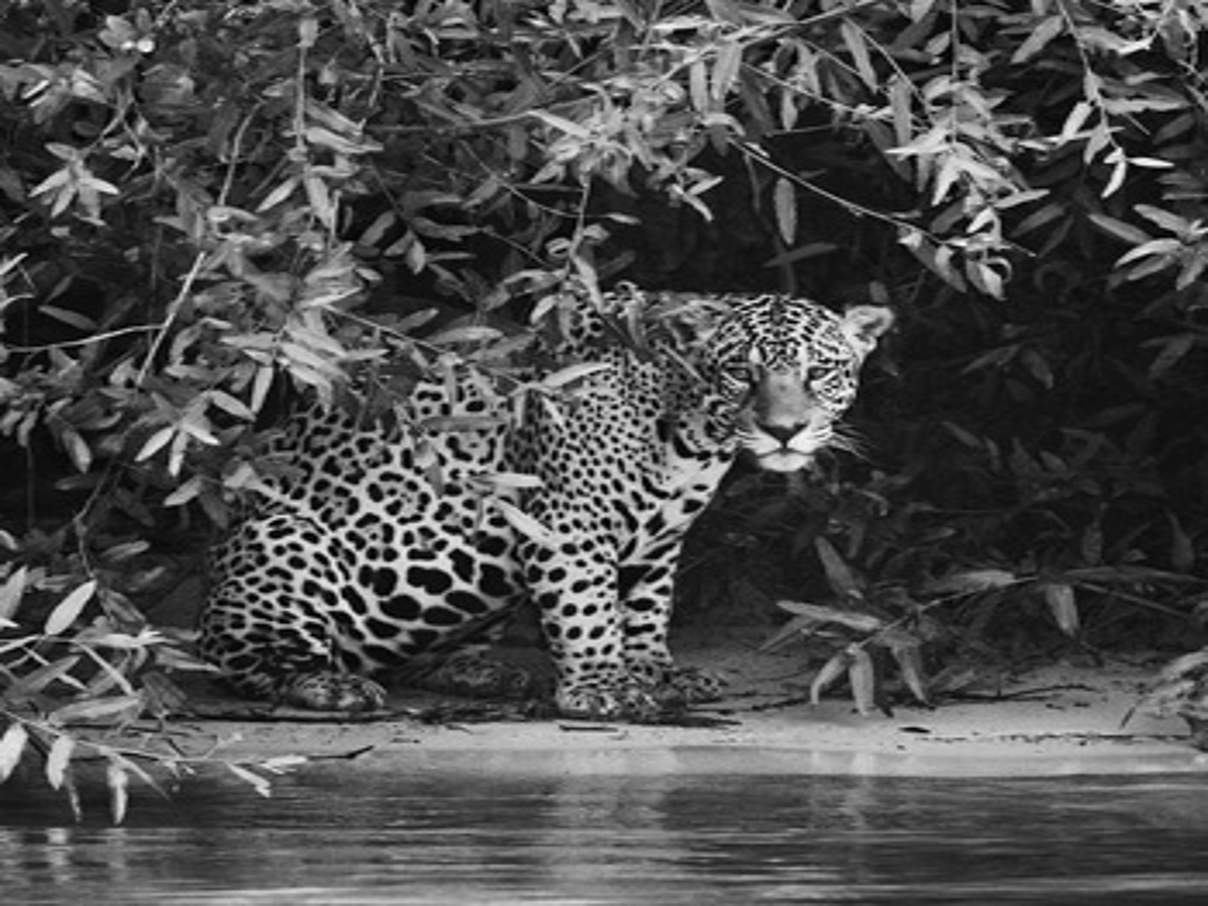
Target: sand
<point>1059,717</point>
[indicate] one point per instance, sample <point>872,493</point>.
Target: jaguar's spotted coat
<point>383,543</point>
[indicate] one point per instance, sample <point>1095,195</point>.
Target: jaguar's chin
<point>784,461</point>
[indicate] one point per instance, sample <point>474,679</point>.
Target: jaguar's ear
<point>862,325</point>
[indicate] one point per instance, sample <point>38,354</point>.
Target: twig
<point>277,714</point>
<point>341,756</point>
<point>1028,692</point>
<point>782,703</point>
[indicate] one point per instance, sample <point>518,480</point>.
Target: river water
<point>331,835</point>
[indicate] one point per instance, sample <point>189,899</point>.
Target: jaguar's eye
<point>739,371</point>
<point>815,373</point>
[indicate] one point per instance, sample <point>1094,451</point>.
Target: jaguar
<point>381,541</point>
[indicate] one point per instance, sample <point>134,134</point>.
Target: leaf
<point>797,626</point>
<point>1100,138</point>
<point>1155,163</point>
<point>300,357</point>
<point>698,86</point>
<point>1037,39</point>
<point>910,663</point>
<point>69,608</point>
<point>1062,605</point>
<point>77,449</point>
<point>967,438</point>
<point>58,759</point>
<point>838,575</point>
<point>118,782</point>
<point>308,32</point>
<point>984,277</point>
<point>39,679</point>
<point>1168,221</point>
<point>1119,171</point>
<point>802,253</point>
<point>723,11</point>
<point>862,679</point>
<point>154,443</point>
<point>937,260</point>
<point>928,144</point>
<point>1182,550</point>
<point>821,614</point>
<point>258,783</point>
<point>198,427</point>
<point>522,522</point>
<point>507,481</point>
<point>572,373</point>
<point>1016,198</point>
<point>60,179</point>
<point>325,138</point>
<point>318,195</point>
<point>560,123</point>
<point>73,797</point>
<point>1039,218</point>
<point>12,744</point>
<point>281,764</point>
<point>1120,229</point>
<point>853,37</point>
<point>725,69</point>
<point>474,333</point>
<point>826,676</point>
<point>1193,266</point>
<point>1167,248</point>
<point>899,102</point>
<point>278,195</point>
<point>68,317</point>
<point>89,181</point>
<point>261,385</point>
<point>1038,366</point>
<point>1090,546</point>
<point>97,708</point>
<point>11,592</point>
<point>1173,350</point>
<point>186,492</point>
<point>1149,267</point>
<point>231,405</point>
<point>125,550</point>
<point>784,200</point>
<point>951,170</point>
<point>973,580</point>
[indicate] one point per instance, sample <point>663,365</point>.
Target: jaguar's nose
<point>782,433</point>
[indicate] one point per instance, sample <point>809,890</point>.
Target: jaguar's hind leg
<point>289,661</point>
<point>268,623</point>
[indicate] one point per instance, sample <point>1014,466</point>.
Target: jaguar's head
<point>787,369</point>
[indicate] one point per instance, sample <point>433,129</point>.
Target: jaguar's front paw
<point>330,691</point>
<point>695,685</point>
<point>676,686</point>
<point>476,675</point>
<point>597,701</point>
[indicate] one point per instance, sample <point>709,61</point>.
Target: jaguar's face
<point>791,369</point>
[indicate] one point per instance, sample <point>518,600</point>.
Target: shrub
<point>205,206</point>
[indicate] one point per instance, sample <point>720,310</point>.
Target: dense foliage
<point>205,204</point>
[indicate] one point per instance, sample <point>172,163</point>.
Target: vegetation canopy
<point>209,207</point>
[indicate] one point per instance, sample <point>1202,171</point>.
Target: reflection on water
<point>429,836</point>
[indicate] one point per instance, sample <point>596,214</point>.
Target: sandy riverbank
<point>1055,718</point>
